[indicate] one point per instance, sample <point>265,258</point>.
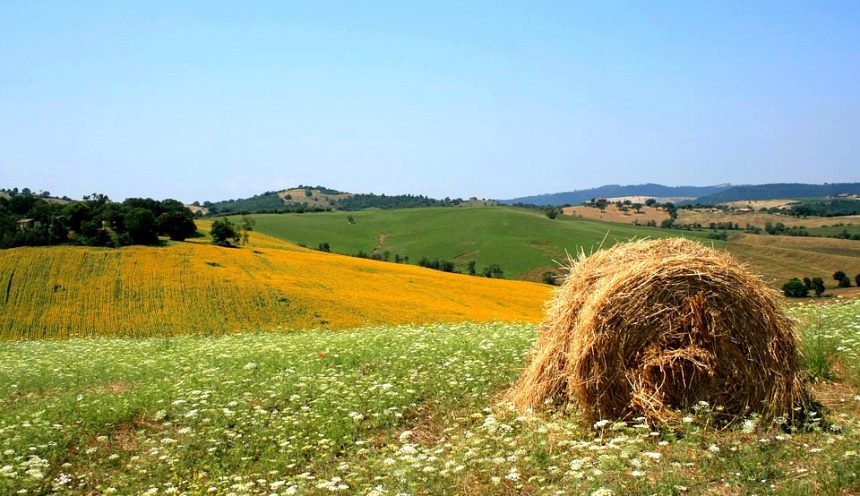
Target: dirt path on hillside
<point>380,242</point>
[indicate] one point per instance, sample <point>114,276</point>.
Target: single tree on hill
<point>650,202</point>
<point>857,280</point>
<point>807,282</point>
<point>223,231</point>
<point>838,275</point>
<point>246,225</point>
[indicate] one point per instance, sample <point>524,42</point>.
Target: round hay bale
<point>651,327</point>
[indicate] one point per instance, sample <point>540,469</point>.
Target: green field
<point>388,410</point>
<point>834,230</point>
<point>522,241</point>
<point>526,243</point>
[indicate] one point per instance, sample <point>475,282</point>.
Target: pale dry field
<point>779,258</point>
<point>613,214</point>
<point>759,220</point>
<point>757,204</point>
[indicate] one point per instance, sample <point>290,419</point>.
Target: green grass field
<point>388,410</point>
<point>521,241</point>
<point>526,243</point>
<point>834,230</point>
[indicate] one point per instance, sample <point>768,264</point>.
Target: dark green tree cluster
<point>830,207</point>
<point>268,202</point>
<point>437,264</point>
<point>795,288</point>
<point>363,201</point>
<point>28,220</point>
<point>494,271</point>
<point>321,189</point>
<point>842,279</point>
<point>780,229</point>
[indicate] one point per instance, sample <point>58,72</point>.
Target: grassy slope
<point>526,243</point>
<point>411,410</point>
<point>521,241</point>
<point>57,292</point>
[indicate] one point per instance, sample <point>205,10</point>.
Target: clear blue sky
<point>208,101</point>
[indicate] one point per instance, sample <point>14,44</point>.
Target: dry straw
<point>648,328</point>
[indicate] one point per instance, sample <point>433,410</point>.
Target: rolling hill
<point>523,241</point>
<point>526,243</point>
<point>198,288</point>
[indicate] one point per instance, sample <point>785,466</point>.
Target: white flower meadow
<point>383,411</point>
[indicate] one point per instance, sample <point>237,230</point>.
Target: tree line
<point>30,220</point>
<point>797,288</point>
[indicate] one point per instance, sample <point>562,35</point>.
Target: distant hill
<point>318,199</point>
<point>615,190</point>
<point>299,199</point>
<point>777,191</point>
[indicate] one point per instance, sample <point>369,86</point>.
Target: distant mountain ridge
<point>615,190</point>
<point>777,191</point>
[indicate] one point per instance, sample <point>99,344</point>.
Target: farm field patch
<point>522,241</point>
<point>199,288</point>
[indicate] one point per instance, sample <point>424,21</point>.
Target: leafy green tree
<point>552,212</point>
<point>178,224</point>
<point>857,280</point>
<point>651,202</point>
<point>795,289</point>
<point>223,231</point>
<point>246,225</point>
<point>74,214</point>
<point>807,283</point>
<point>470,268</point>
<point>842,279</point>
<point>324,246</point>
<point>141,226</point>
<point>818,285</point>
<point>494,271</point>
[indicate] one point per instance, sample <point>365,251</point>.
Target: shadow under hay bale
<point>651,327</point>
